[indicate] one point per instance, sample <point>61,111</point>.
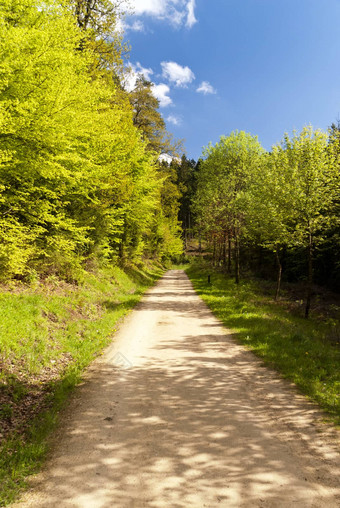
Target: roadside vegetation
<point>50,332</point>
<point>305,351</point>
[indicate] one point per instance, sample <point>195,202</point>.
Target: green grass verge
<point>299,349</point>
<point>49,334</point>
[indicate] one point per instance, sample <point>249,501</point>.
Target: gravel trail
<point>175,414</point>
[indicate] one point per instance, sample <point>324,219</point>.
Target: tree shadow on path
<point>197,421</point>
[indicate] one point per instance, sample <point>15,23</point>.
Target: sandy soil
<point>175,414</point>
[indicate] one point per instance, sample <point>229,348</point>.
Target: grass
<point>49,333</point>
<point>303,351</point>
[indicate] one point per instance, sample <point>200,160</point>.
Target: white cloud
<point>166,157</point>
<point>132,73</point>
<point>136,26</point>
<point>147,72</point>
<point>175,120</point>
<point>175,11</point>
<point>177,74</point>
<point>120,25</point>
<point>206,88</point>
<point>191,19</point>
<point>161,93</point>
<point>150,7</point>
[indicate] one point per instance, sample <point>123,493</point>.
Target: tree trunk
<point>310,275</point>
<point>214,252</point>
<point>237,259</point>
<point>220,251</point>
<point>225,250</point>
<point>122,245</point>
<point>279,274</point>
<point>260,261</point>
<point>229,254</point>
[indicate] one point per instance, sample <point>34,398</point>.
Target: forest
<point>91,215</point>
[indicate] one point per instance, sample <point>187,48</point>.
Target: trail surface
<point>176,414</point>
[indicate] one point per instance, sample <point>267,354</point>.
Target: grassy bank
<point>49,333</point>
<point>304,351</point>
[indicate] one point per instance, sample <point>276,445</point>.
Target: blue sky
<point>263,66</point>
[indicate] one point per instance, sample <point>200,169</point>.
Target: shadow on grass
<point>29,421</point>
<point>113,306</point>
<point>141,276</point>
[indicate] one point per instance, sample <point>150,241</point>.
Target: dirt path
<point>177,415</point>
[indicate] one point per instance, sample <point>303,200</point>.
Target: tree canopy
<point>287,198</point>
<point>78,179</point>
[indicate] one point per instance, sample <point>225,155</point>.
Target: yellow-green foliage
<point>76,178</point>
